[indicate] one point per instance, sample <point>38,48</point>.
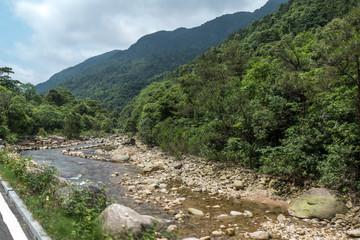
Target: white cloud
<point>67,32</point>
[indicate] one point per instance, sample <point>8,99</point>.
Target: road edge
<point>34,226</point>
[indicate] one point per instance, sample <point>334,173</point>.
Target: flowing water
<point>81,170</point>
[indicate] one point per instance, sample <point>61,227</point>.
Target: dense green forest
<point>24,112</point>
<point>281,96</point>
<point>114,78</point>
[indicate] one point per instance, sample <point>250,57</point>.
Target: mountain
<point>115,77</point>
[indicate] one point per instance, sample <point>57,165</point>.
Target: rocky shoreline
<point>164,177</point>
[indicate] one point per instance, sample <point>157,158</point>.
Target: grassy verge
<point>37,186</point>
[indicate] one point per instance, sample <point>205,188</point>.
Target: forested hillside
<point>281,96</point>
<point>116,77</point>
<point>23,112</point>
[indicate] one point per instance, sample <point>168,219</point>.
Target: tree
<point>340,43</point>
<point>6,81</point>
<point>72,126</point>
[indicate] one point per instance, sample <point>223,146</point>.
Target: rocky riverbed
<point>212,200</point>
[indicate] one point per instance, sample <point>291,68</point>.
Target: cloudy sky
<point>42,37</point>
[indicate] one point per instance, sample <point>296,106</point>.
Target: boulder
<point>318,203</point>
<point>69,196</point>
<point>120,221</point>
<point>120,158</point>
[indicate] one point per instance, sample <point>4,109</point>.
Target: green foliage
<point>24,112</point>
<point>81,206</point>
<point>281,96</point>
<point>72,125</point>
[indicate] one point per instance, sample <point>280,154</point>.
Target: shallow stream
<point>82,170</point>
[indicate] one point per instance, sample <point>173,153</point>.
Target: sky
<point>42,37</point>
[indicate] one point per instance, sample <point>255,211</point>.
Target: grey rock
<point>154,167</point>
<point>178,165</point>
<point>239,185</point>
<point>248,214</point>
<point>354,232</point>
<point>120,220</point>
<point>172,228</point>
<point>196,212</point>
<point>281,218</point>
<point>318,203</point>
<point>236,213</point>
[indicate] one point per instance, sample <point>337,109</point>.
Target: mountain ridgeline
<point>281,96</point>
<point>114,78</point>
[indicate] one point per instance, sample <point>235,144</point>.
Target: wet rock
<point>120,220</point>
<point>354,232</point>
<point>76,153</point>
<point>120,158</point>
<point>65,152</point>
<point>317,203</point>
<point>261,235</point>
<point>196,212</point>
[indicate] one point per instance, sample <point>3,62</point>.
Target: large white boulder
<point>119,220</point>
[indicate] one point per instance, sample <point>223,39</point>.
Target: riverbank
<point>165,178</point>
<point>232,202</point>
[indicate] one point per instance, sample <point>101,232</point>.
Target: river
<point>82,170</point>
